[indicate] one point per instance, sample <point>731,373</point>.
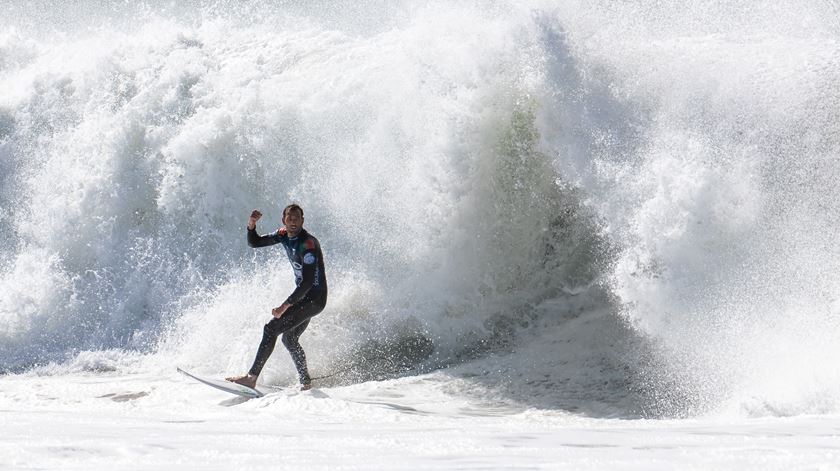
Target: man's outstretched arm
<point>255,240</point>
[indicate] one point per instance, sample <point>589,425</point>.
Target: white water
<point>545,215</point>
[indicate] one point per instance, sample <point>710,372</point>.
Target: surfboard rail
<point>226,386</point>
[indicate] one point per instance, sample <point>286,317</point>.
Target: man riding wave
<point>307,300</point>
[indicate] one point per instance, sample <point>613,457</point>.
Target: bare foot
<point>246,380</point>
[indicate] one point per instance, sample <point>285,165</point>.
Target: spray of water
<point>652,185</point>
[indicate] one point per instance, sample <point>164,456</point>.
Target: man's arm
<point>310,261</point>
<point>255,240</point>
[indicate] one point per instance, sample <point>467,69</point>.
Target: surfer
<point>309,298</point>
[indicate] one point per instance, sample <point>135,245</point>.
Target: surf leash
<point>345,369</point>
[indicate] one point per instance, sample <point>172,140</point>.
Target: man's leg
<point>290,340</point>
<point>293,317</point>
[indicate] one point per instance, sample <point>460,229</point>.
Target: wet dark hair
<point>292,207</point>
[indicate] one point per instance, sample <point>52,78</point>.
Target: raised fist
<point>255,216</point>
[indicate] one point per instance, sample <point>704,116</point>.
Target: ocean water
<point>558,235</point>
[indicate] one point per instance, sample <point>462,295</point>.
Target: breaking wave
<point>602,207</point>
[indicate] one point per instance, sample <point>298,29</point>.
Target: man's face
<point>293,222</point>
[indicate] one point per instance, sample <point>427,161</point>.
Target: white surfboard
<point>225,386</point>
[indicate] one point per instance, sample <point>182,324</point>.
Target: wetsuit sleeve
<point>255,240</point>
<point>310,262</point>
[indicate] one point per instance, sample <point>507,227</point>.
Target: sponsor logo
<point>309,259</point>
<point>297,266</point>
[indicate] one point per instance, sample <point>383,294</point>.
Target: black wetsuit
<point>307,300</point>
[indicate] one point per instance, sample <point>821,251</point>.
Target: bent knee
<point>290,341</point>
